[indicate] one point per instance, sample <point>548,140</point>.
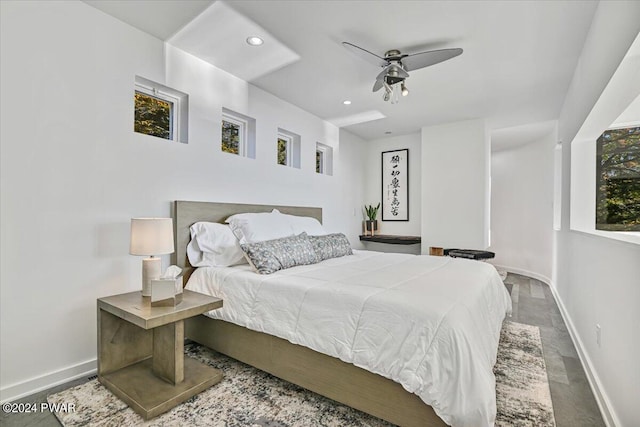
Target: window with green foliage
<point>231,136</point>
<point>319,161</point>
<point>283,149</point>
<point>618,180</point>
<point>160,111</point>
<point>288,148</point>
<point>238,134</point>
<point>324,159</point>
<point>153,116</point>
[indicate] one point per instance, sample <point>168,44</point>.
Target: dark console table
<point>394,240</point>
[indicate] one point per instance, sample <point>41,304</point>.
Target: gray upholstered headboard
<point>187,213</point>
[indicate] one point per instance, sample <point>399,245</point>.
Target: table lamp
<point>150,237</point>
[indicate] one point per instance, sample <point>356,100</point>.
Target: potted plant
<point>371,225</point>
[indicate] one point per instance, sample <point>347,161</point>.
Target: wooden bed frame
<point>325,375</point>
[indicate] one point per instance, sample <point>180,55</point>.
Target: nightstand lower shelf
<point>149,395</point>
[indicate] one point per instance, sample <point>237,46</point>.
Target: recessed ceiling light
<point>254,41</point>
<point>346,102</point>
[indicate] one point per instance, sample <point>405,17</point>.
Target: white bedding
<point>431,324</point>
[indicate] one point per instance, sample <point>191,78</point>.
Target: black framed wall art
<point>395,185</point>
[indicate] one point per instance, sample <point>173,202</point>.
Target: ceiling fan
<point>397,65</point>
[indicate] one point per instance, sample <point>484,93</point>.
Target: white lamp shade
<point>151,236</point>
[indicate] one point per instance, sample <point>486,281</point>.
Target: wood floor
<point>533,304</point>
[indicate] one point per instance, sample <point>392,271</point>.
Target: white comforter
<point>431,324</point>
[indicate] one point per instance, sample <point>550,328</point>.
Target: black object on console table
<point>394,240</point>
<point>469,254</point>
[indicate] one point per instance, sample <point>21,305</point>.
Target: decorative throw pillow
<point>331,246</point>
<point>273,255</point>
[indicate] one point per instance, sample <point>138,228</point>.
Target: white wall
<point>373,189</point>
<point>373,182</point>
<point>522,208</point>
<point>455,185</point>
<point>352,150</point>
<point>73,173</point>
<point>597,280</point>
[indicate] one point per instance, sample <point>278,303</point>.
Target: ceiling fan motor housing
<point>393,54</point>
<point>395,71</point>
<point>391,80</point>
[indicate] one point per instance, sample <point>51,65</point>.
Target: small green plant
<point>371,212</point>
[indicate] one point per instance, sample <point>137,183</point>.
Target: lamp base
<point>151,269</point>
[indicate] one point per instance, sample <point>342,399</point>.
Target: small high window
<point>288,148</point>
<point>234,135</point>
<point>618,180</point>
<point>284,150</point>
<point>324,159</point>
<point>153,115</point>
<point>319,161</point>
<point>238,134</point>
<point>160,111</point>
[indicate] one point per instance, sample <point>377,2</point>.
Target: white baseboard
<point>608,414</point>
<point>606,409</point>
<point>33,385</point>
<point>527,273</point>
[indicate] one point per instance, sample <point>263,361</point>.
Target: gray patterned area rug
<point>249,397</point>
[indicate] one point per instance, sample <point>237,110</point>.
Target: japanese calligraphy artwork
<point>395,185</point>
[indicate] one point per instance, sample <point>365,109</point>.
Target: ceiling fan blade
<point>365,54</point>
<point>378,85</point>
<point>382,74</point>
<point>432,57</point>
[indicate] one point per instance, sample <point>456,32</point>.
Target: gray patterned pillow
<point>331,246</point>
<point>272,255</point>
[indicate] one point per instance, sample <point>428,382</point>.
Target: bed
<point>337,370</point>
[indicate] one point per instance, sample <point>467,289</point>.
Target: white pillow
<point>259,227</point>
<point>305,224</point>
<point>213,245</point>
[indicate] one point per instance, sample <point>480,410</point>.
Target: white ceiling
<point>218,35</point>
<point>518,60</point>
<point>160,18</point>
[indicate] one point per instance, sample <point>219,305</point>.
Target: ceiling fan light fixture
<point>395,94</point>
<point>405,90</point>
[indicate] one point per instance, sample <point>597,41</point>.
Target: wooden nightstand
<point>141,351</point>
